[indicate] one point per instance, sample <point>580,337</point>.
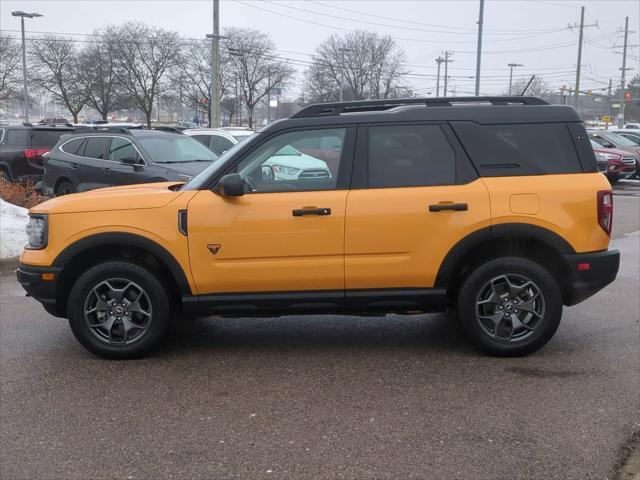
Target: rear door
<point>414,196</point>
<point>91,169</point>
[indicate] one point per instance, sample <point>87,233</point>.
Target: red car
<point>615,164</point>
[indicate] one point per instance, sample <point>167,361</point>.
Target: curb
<point>8,264</point>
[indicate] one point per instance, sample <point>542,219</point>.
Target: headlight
<point>609,156</point>
<point>37,232</point>
<point>285,170</point>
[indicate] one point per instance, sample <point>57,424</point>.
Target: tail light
<point>33,153</point>
<point>605,210</point>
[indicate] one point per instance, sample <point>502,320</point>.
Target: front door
<point>286,233</point>
<point>124,163</point>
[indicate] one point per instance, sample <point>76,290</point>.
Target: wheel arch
<point>94,249</point>
<point>530,241</point>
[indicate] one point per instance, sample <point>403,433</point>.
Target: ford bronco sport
<point>491,206</point>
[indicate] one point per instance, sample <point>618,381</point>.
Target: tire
<point>119,326</point>
<point>65,188</point>
<point>518,323</point>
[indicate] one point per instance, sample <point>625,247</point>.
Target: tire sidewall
<point>478,277</point>
<point>160,303</point>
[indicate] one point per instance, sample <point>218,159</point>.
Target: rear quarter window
<point>46,138</point>
<point>17,137</point>
<point>519,149</point>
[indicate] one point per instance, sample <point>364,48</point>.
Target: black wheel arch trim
<point>505,230</point>
<point>127,239</point>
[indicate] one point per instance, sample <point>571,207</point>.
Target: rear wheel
<point>65,188</point>
<point>119,310</point>
<point>509,306</point>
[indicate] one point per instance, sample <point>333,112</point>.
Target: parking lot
<point>327,397</point>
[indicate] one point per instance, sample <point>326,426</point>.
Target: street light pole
<point>511,66</point>
<point>25,93</point>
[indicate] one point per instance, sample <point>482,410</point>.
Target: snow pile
<point>13,237</point>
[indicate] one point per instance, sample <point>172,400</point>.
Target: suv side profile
<point>490,205</point>
<point>104,156</point>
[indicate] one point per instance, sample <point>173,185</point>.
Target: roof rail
<point>330,109</point>
<point>101,128</point>
<point>163,128</point>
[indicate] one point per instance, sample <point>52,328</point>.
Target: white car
<point>634,126</point>
<point>218,140</point>
<point>291,164</point>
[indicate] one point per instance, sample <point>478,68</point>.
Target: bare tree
<point>144,55</point>
<point>98,72</point>
<point>192,78</point>
<point>362,64</point>
<point>9,68</point>
<point>254,60</point>
<point>55,69</point>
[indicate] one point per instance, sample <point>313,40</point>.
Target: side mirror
<point>231,185</point>
<point>267,173</point>
<point>131,161</point>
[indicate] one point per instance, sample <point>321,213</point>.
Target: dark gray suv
<point>96,157</point>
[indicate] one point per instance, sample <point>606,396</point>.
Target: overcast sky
<point>533,33</point>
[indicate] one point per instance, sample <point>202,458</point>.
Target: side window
<point>1,134</point>
<point>74,147</point>
<point>17,137</point>
<point>122,148</point>
<point>603,141</point>
<point>410,156</point>
<point>203,139</point>
<point>282,164</point>
<point>219,144</point>
<point>96,147</point>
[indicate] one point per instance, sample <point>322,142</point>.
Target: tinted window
<point>17,137</point>
<point>203,139</point>
<point>46,138</point>
<point>629,136</point>
<point>74,147</point>
<point>410,156</point>
<point>1,134</point>
<point>284,163</point>
<point>176,149</point>
<point>96,147</point>
<point>519,149</point>
<point>122,148</point>
<point>220,144</point>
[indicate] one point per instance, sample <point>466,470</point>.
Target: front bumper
<point>590,273</point>
<point>44,291</point>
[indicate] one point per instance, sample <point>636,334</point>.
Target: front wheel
<point>119,310</point>
<point>509,306</point>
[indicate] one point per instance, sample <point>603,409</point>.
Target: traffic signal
<point>627,97</point>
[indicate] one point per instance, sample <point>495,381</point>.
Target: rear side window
<point>203,139</point>
<point>220,144</point>
<point>46,138</point>
<point>96,147</point>
<point>410,156</point>
<point>74,147</point>
<point>18,137</point>
<point>519,149</point>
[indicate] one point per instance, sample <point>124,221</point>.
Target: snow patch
<point>13,237</point>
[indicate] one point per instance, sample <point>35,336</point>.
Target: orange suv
<point>491,206</point>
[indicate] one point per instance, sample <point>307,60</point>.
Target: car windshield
<point>619,140</point>
<point>176,149</point>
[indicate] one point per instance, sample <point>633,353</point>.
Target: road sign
<point>606,118</point>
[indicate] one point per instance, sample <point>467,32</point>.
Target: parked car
<point>22,148</point>
<point>612,140</point>
<point>218,140</point>
<point>615,164</point>
<point>54,121</point>
<point>494,207</point>
<point>96,157</point>
<point>629,134</point>
<point>635,126</point>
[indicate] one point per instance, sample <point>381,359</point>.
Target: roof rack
<point>330,109</point>
<point>100,128</point>
<point>163,128</point>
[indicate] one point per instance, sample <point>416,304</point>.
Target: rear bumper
<point>44,291</point>
<point>586,281</point>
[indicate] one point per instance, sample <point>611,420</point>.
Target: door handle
<point>311,211</point>
<point>106,170</point>
<point>456,207</point>
<point>74,165</point>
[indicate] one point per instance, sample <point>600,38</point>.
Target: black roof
<point>483,110</point>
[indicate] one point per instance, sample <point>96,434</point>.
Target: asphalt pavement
<point>396,397</point>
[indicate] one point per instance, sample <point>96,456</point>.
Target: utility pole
<point>439,60</point>
<point>479,53</point>
<point>580,37</point>
<point>447,53</point>
<point>25,93</point>
<point>214,101</point>
<point>511,66</point>
<point>609,97</point>
<point>268,96</point>
<point>623,71</point>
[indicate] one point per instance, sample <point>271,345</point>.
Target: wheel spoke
<point>135,307</point>
<point>529,306</point>
<point>517,324</point>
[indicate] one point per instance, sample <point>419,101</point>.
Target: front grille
<point>317,173</point>
<point>629,160</point>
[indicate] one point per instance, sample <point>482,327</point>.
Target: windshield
<point>619,140</point>
<point>176,149</point>
<point>200,180</point>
